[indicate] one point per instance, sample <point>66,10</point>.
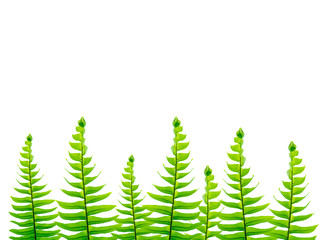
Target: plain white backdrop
<point>130,67</point>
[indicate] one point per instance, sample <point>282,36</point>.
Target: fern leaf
<point>209,210</point>
<point>287,219</point>
<point>35,222</point>
<point>174,221</point>
<point>83,221</point>
<point>133,222</point>
<point>243,223</point>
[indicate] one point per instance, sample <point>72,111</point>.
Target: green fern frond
<point>36,222</point>
<point>83,222</point>
<point>244,226</point>
<point>174,222</point>
<point>210,206</point>
<point>289,217</point>
<point>134,223</point>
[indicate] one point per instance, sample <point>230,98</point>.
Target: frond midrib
<point>31,195</point>
<point>84,189</point>
<point>208,205</point>
<point>132,204</point>
<point>175,183</point>
<point>241,198</point>
<point>291,197</point>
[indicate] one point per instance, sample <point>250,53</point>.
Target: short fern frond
<point>243,205</point>
<point>288,218</point>
<point>209,210</point>
<point>36,222</point>
<point>133,224</point>
<point>174,222</point>
<point>83,222</point>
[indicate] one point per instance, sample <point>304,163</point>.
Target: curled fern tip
<point>240,133</point>
<point>82,122</point>
<point>29,138</point>
<point>176,122</point>
<point>292,147</point>
<point>207,171</point>
<point>131,158</point>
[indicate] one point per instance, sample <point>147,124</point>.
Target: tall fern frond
<point>209,210</point>
<point>36,221</point>
<point>175,221</point>
<point>83,222</point>
<point>289,217</point>
<point>243,206</point>
<point>134,223</point>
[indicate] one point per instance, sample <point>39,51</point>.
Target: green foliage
<point>36,221</point>
<point>173,218</point>
<point>291,215</point>
<point>174,222</point>
<point>243,206</point>
<point>133,227</point>
<point>83,222</point>
<point>210,207</point>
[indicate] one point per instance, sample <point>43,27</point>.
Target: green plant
<point>83,222</point>
<point>172,218</point>
<point>36,221</point>
<point>174,222</point>
<point>133,226</point>
<point>289,217</point>
<point>244,205</point>
<point>210,207</point>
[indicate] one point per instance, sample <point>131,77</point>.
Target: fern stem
<point>84,190</point>
<point>242,202</point>
<point>175,182</point>
<point>207,222</point>
<point>291,197</point>
<point>31,193</point>
<point>132,206</point>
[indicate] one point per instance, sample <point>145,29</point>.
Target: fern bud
<point>292,147</point>
<point>176,122</point>
<point>82,122</point>
<point>207,171</point>
<point>29,138</point>
<point>240,133</point>
<point>131,158</point>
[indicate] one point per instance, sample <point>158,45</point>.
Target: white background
<point>130,67</point>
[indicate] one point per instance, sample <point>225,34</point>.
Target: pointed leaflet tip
<point>240,133</point>
<point>176,122</point>
<point>292,147</point>
<point>29,138</point>
<point>82,122</point>
<point>207,171</point>
<point>131,158</point>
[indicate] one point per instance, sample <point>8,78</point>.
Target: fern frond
<point>209,210</point>
<point>36,221</point>
<point>175,221</point>
<point>83,222</point>
<point>133,223</point>
<point>289,217</point>
<point>243,226</point>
